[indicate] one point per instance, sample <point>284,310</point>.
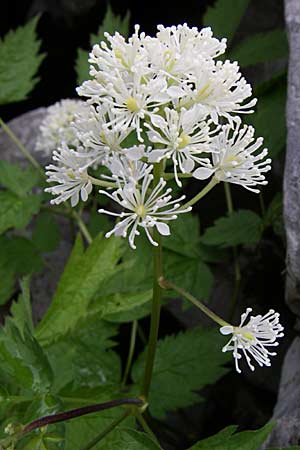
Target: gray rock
<point>292,164</point>
<point>287,410</point>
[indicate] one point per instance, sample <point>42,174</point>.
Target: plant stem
<point>156,303</point>
<point>131,351</point>
<point>106,431</point>
<point>102,183</point>
<point>170,176</point>
<point>237,270</point>
<point>202,193</point>
<point>146,427</point>
<point>83,227</point>
<point>166,284</point>
<point>78,412</point>
<point>21,147</point>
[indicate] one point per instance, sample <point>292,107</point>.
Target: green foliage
<point>16,212</point>
<point>23,361</point>
<point>227,440</point>
<point>269,119</point>
<point>261,47</point>
<point>274,215</point>
<point>183,364</point>
<point>111,23</point>
<point>240,227</point>
<point>21,310</point>
<point>224,17</point>
<point>19,63</point>
<point>80,282</point>
<point>46,233</point>
<point>18,180</point>
<point>83,357</point>
<point>18,257</point>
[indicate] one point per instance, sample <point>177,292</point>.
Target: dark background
<point>66,25</point>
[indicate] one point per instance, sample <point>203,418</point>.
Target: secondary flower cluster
<point>163,100</point>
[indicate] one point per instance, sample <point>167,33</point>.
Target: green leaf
<point>82,66</point>
<point>261,47</point>
<point>269,119</point>
<point>79,284</point>
<point>84,357</point>
<point>189,273</point>
<point>16,212</point>
<point>19,63</point>
<point>241,227</point>
<point>119,306</point>
<point>183,364</point>
<point>21,310</point>
<point>226,440</point>
<point>274,215</point>
<point>46,233</point>
<point>23,360</point>
<point>111,23</point>
<point>18,257</point>
<point>225,16</point>
<point>18,180</point>
<point>128,439</point>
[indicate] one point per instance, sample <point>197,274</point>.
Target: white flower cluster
<point>56,128</point>
<point>163,100</point>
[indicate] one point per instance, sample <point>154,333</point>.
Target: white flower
<point>235,158</point>
<point>93,132</point>
<point>184,138</point>
<point>125,168</point>
<point>57,126</point>
<point>220,87</point>
<point>71,176</point>
<point>176,50</point>
<point>144,207</point>
<point>254,338</point>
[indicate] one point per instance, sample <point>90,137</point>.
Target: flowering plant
<point>156,112</point>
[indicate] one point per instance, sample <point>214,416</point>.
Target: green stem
<point>102,182</point>
<point>170,176</point>
<point>166,284</point>
<point>131,351</point>
<point>202,193</point>
<point>106,431</point>
<point>156,303</point>
<point>237,269</point>
<point>21,147</point>
<point>83,227</point>
<point>146,427</point>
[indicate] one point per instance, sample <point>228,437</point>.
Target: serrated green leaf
<point>17,180</point>
<point>79,284</point>
<point>128,439</point>
<point>225,16</point>
<point>183,364</point>
<point>226,440</point>
<point>23,360</point>
<point>269,120</point>
<point>46,233</point>
<point>16,212</point>
<point>84,357</point>
<point>261,47</point>
<point>241,227</point>
<point>111,23</point>
<point>19,63</point>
